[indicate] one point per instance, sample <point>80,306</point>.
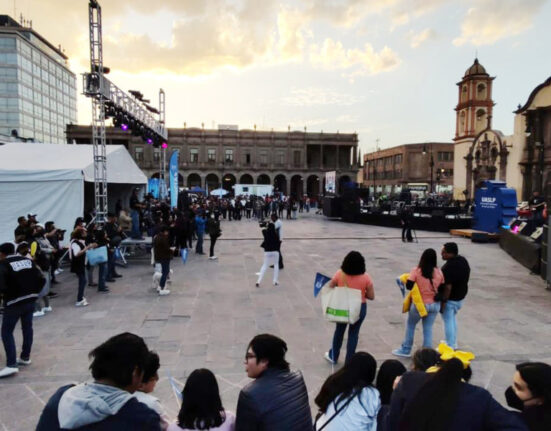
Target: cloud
<point>312,96</point>
<point>417,39</point>
<point>332,55</point>
<point>293,32</point>
<point>346,13</point>
<point>406,10</point>
<point>492,20</point>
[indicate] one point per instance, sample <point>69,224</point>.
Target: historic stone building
<point>391,169</point>
<point>294,162</point>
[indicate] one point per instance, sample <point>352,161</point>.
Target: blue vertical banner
<point>153,187</point>
<point>173,169</point>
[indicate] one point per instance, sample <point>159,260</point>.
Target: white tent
<point>48,179</point>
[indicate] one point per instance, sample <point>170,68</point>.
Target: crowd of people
<point>435,395</point>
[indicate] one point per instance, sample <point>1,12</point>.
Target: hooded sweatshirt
<point>94,406</point>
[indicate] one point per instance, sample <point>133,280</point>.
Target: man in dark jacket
<point>106,404</point>
<point>277,399</point>
<point>20,282</point>
<point>456,272</point>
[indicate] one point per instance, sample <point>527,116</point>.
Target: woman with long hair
<point>201,406</point>
<point>347,400</point>
<point>445,402</point>
<point>387,378</point>
<point>428,278</point>
<point>352,273</point>
<point>531,394</point>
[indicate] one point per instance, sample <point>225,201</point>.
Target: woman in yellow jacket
<point>428,278</point>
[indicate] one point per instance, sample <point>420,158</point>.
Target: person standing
<point>20,282</point>
<point>163,254</point>
<point>271,254</point>
<point>277,398</point>
<point>456,272</point>
<point>42,254</point>
<point>405,220</point>
<point>353,275</point>
<point>200,229</point>
<point>135,208</point>
<point>77,255</point>
<point>279,230</point>
<point>429,278</point>
<point>537,204</point>
<point>213,228</point>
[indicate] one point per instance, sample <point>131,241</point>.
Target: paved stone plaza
<point>214,310</point>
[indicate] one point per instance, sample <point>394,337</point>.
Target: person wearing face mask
<point>213,228</point>
<point>531,394</point>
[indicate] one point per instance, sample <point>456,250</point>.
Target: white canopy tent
<point>49,180</point>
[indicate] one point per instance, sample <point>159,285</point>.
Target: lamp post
<point>431,164</point>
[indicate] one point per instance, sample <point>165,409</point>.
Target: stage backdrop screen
<point>330,178</point>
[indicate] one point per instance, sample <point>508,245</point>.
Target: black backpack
<point>42,259</point>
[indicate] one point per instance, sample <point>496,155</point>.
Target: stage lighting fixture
<point>149,141</point>
<point>165,145</point>
<point>124,127</point>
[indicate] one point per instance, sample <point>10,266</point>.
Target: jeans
<point>110,265</point>
<point>136,233</point>
<point>270,258</point>
<point>81,285</point>
<point>102,275</point>
<point>165,269</point>
<point>11,315</point>
<point>428,322</point>
<point>353,333</point>
<point>450,325</point>
<point>43,295</point>
<point>199,245</point>
<point>212,243</point>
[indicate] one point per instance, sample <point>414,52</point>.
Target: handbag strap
<point>343,276</point>
<point>340,409</point>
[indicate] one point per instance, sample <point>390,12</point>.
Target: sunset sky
<point>385,69</point>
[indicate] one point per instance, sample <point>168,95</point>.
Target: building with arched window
<point>294,162</point>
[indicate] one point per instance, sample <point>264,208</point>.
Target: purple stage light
<point>124,127</point>
<point>165,145</point>
<point>150,141</point>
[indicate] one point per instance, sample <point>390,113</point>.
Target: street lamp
<point>431,164</point>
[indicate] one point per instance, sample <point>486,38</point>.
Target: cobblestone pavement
<point>214,310</point>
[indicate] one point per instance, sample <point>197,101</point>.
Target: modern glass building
<point>37,90</point>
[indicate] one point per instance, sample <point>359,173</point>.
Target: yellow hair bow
<point>447,353</point>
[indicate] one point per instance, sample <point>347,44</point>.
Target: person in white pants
<point>271,253</point>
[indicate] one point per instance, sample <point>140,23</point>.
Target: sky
<point>385,69</point>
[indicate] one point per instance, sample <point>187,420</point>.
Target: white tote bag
<point>341,304</point>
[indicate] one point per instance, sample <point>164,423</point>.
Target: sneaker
<point>82,303</point>
<point>106,290</point>
<point>402,353</point>
<point>276,283</point>
<point>58,271</point>
<point>38,313</point>
<point>402,287</point>
<point>257,284</point>
<point>164,292</point>
<point>213,257</point>
<point>329,359</point>
<point>92,284</point>
<point>46,309</point>
<point>22,361</point>
<point>8,371</point>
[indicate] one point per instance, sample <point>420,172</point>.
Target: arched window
<point>480,114</point>
<point>464,93</point>
<point>462,122</point>
<point>481,91</point>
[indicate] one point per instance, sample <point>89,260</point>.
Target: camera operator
<point>271,253</point>
<point>115,236</point>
